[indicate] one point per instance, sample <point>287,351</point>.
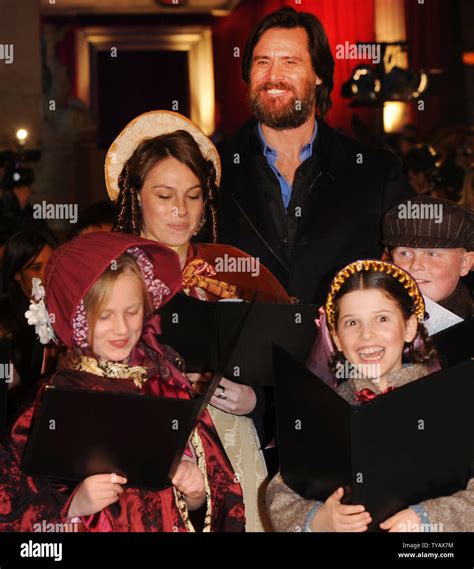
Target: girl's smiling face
<point>119,323</point>
<point>371,330</point>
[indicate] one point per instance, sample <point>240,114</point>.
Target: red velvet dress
<point>25,501</point>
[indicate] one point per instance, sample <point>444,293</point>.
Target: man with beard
<point>302,197</point>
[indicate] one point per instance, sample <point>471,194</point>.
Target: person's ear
<point>467,263</point>
<point>139,198</point>
<point>318,81</point>
<point>411,328</point>
<point>17,277</point>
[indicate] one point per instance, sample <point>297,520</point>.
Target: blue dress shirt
<point>271,158</point>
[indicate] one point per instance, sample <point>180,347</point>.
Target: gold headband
<point>373,265</point>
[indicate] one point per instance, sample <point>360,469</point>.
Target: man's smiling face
<point>282,79</point>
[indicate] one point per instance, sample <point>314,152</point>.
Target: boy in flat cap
<point>433,239</point>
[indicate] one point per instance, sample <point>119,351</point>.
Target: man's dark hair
<point>320,52</point>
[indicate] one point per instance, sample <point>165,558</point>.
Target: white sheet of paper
<point>440,318</point>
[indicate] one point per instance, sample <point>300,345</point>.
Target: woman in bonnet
<point>98,299</point>
<point>163,173</point>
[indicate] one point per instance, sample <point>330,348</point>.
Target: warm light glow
<point>394,116</point>
<point>358,73</point>
<point>22,135</point>
<point>468,58</point>
<point>423,83</point>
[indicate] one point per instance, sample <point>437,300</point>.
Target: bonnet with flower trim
<point>74,268</point>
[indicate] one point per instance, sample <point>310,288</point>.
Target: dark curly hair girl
<point>420,350</point>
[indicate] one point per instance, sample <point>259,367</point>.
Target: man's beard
<point>292,115</point>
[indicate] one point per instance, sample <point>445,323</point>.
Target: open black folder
<point>77,433</point>
<point>403,447</point>
<point>199,331</point>
<point>456,343</point>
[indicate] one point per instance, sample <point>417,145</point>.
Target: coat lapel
<point>324,183</point>
<point>253,199</point>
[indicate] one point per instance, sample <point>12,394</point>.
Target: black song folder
<point>456,343</point>
<point>200,331</point>
<point>77,433</point>
<point>403,447</point>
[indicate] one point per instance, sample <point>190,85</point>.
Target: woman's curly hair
<point>179,145</point>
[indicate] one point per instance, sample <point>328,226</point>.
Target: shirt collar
<point>305,152</point>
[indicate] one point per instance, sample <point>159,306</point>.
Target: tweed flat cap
<point>426,222</point>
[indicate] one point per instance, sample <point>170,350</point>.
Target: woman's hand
<point>334,516</point>
<point>189,481</point>
<point>403,521</point>
<point>229,396</point>
<point>234,398</point>
<point>96,493</point>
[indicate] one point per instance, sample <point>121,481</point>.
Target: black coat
<point>347,189</point>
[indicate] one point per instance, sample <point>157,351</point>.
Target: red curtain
<point>343,21</point>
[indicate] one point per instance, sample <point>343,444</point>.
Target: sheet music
<point>439,318</point>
